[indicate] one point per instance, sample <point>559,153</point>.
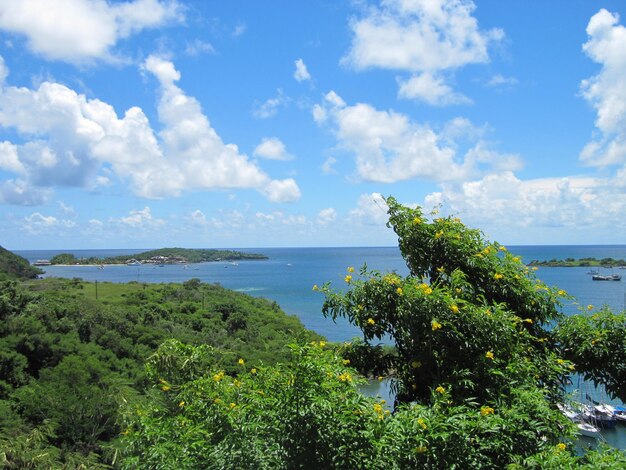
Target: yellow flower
<point>589,307</point>
<point>440,389</point>
<point>253,371</point>
<point>241,362</point>
<point>488,312</point>
<point>454,308</point>
<point>315,287</point>
<point>417,221</point>
<point>439,234</point>
<point>380,378</point>
<point>562,292</point>
<point>181,404</point>
<point>165,388</point>
<point>498,276</point>
<point>421,449</point>
<point>346,362</point>
<point>371,321</point>
<point>441,269</point>
<point>350,269</point>
<point>561,447</point>
<point>489,355</point>
<point>422,423</point>
<point>232,405</point>
<point>516,259</point>
<point>322,344</point>
<point>345,377</point>
<point>378,408</point>
<point>528,320</point>
<point>399,290</point>
<point>435,325</point>
<point>502,248</point>
<point>236,383</point>
<point>416,364</point>
<point>348,279</point>
<point>486,410</point>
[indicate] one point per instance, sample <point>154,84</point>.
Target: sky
<point>212,124</point>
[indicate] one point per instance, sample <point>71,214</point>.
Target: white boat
<point>133,262</point>
<point>606,277</point>
<point>588,430</point>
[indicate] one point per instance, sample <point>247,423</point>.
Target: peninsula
<point>582,262</point>
<point>160,256</point>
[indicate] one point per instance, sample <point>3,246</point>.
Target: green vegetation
<point>13,266</point>
<point>165,255</point>
<point>573,263</point>
<point>68,360</point>
<point>481,355</point>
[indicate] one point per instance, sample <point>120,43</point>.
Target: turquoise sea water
<point>289,274</point>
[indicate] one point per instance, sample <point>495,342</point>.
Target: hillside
<point>15,267</point>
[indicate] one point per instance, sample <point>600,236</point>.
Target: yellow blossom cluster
<point>489,355</point>
<point>454,308</point>
<point>486,410</point>
<point>426,289</point>
<point>348,279</point>
<point>440,389</point>
<point>371,321</point>
<point>422,423</point>
<point>435,325</point>
<point>350,269</point>
<point>241,362</point>
<point>219,376</point>
<point>345,377</point>
<point>498,276</point>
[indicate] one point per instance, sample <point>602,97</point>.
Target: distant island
<point>160,256</point>
<point>582,262</point>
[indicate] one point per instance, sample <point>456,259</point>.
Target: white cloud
<point>240,28</point>
<point>371,210</point>
<point>419,35</point>
<point>606,91</point>
<point>139,219</point>
<point>270,107</point>
<point>326,216</point>
<point>20,193</point>
<point>501,202</point>
<point>301,74</point>
<point>197,217</point>
<point>430,89</point>
<point>282,190</point>
<point>272,148</point>
<point>423,37</point>
<point>74,139</point>
<point>80,30</point>
<point>38,223</point>
<point>198,47</point>
<point>499,81</point>
<point>327,166</point>
<point>389,147</point>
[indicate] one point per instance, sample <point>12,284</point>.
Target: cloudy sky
<point>150,123</point>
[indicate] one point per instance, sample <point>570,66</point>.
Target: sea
<point>289,274</point>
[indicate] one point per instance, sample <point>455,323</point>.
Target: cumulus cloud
<point>270,107</point>
<point>422,37</point>
<point>272,148</point>
<point>500,81</point>
<point>81,142</point>
<point>139,219</point>
<point>301,74</point>
<point>80,30</point>
<point>388,147</point>
<point>326,216</point>
<point>328,165</point>
<point>606,91</point>
<point>430,89</point>
<point>503,201</point>
<point>371,210</point>
<point>198,47</point>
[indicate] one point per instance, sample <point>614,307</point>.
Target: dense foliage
<point>13,266</point>
<point>67,360</point>
<point>186,255</point>
<point>571,262</point>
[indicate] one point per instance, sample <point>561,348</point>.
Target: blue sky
<point>150,123</point>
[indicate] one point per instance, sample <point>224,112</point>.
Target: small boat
<point>600,416</point>
<point>588,430</point>
<point>606,277</point>
<point>42,262</point>
<point>133,262</point>
<point>101,266</point>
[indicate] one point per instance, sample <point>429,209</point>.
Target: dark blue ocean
<point>290,273</point>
